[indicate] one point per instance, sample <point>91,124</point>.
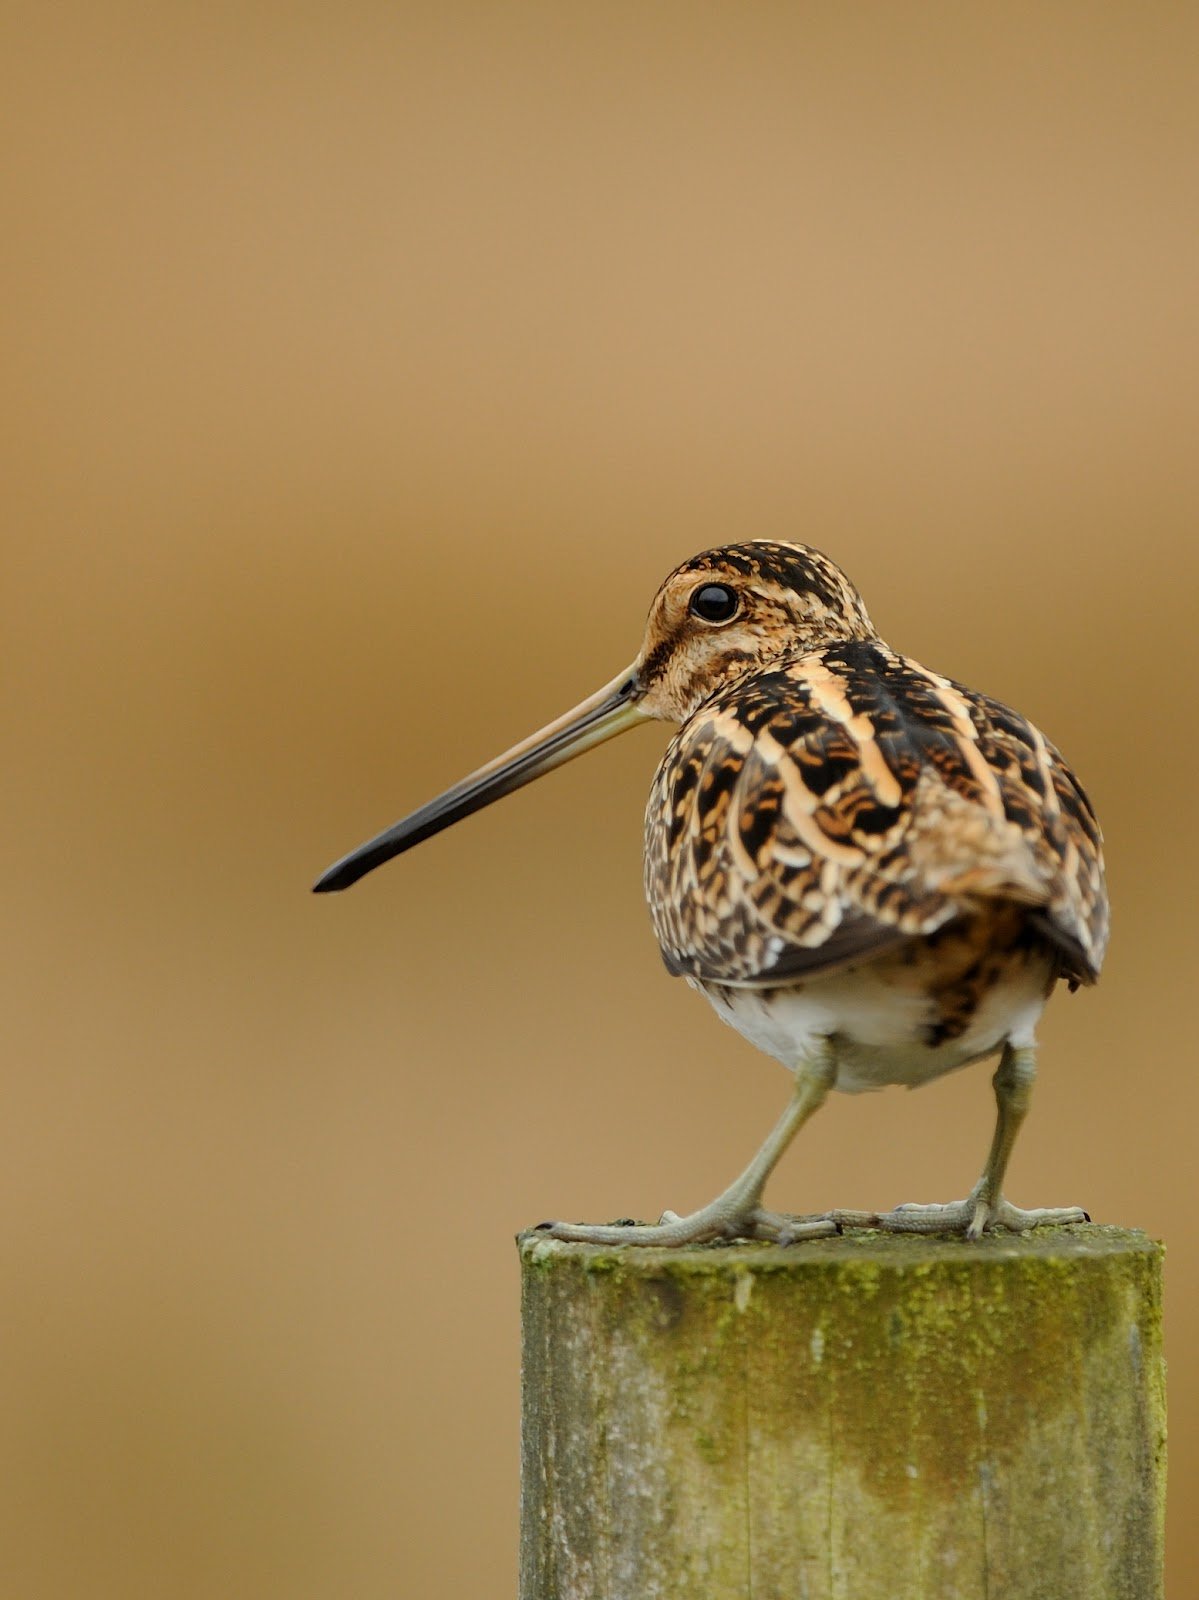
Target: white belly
<point>881,1020</point>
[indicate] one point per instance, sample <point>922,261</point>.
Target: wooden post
<point>863,1418</point>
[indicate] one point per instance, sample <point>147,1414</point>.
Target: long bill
<point>610,711</point>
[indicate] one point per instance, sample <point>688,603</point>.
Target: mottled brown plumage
<point>848,799</point>
<point>874,873</point>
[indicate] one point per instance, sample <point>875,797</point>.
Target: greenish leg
<point>984,1208</point>
<point>735,1214</point>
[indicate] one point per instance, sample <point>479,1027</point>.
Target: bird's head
<point>734,610</point>
<point>729,611</point>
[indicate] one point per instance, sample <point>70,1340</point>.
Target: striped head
<point>736,609</point>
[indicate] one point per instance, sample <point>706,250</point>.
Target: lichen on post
<point>864,1418</point>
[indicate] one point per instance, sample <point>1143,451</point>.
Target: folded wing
<point>851,800</point>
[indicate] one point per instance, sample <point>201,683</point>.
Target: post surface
<point>863,1418</point>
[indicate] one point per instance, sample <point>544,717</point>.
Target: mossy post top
<point>870,1251</point>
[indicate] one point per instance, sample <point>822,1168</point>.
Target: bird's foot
<point>713,1223</point>
<point>972,1217</point>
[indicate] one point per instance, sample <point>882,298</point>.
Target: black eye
<point>714,602</point>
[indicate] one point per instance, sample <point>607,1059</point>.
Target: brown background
<point>368,367</point>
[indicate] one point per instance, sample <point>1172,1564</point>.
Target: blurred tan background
<point>367,367</point>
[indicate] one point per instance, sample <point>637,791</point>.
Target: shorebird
<point>873,873</point>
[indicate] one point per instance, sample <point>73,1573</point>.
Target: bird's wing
<point>851,800</point>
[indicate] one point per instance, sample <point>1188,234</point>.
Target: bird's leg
<point>735,1214</point>
<point>984,1208</point>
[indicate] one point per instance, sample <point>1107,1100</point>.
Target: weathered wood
<point>864,1418</point>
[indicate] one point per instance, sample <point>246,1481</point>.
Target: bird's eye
<point>714,602</point>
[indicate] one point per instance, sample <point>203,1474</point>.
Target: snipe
<point>873,873</point>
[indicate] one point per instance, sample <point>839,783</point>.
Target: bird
<point>873,873</point>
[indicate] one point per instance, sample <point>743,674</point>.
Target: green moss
<point>886,1337</point>
<point>846,1416</point>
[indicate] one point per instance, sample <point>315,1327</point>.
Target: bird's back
<point>841,803</point>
